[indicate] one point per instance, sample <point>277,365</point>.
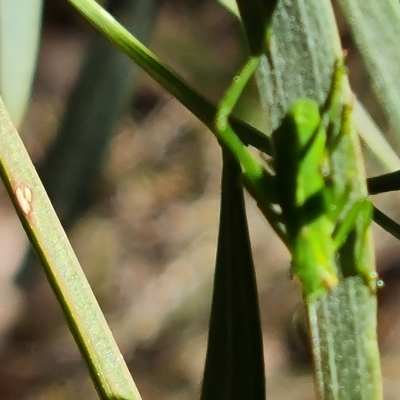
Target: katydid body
<point>300,154</point>
<point>309,201</point>
<point>311,204</point>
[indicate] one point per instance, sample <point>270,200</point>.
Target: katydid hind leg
<point>370,277</point>
<point>358,217</point>
<point>360,210</point>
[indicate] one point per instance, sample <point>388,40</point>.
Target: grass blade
<point>105,363</point>
<point>300,63</point>
<point>373,23</point>
<point>234,363</point>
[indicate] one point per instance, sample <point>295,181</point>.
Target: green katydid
<point>309,202</point>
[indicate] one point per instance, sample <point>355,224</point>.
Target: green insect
<point>310,203</point>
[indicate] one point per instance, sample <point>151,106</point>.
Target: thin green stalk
<point>105,363</point>
<point>169,80</point>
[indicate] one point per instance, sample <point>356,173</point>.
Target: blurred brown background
<point>147,242</point>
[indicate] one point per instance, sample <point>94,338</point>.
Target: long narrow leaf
<point>301,56</point>
<point>105,363</point>
<point>256,18</point>
<point>374,138</point>
<point>375,27</point>
<point>384,183</point>
<point>20,27</point>
<point>234,363</point>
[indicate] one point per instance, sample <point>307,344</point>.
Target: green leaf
<point>234,364</point>
<point>344,346</point>
<point>256,18</point>
<point>375,27</point>
<point>384,183</point>
<point>230,5</point>
<point>105,363</point>
<point>387,223</point>
<point>299,63</point>
<point>20,27</point>
<point>300,58</point>
<point>374,139</point>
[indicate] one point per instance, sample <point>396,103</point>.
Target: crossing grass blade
<point>234,366</point>
<point>256,18</point>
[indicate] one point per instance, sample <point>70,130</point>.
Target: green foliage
<point>316,201</point>
<point>234,367</point>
